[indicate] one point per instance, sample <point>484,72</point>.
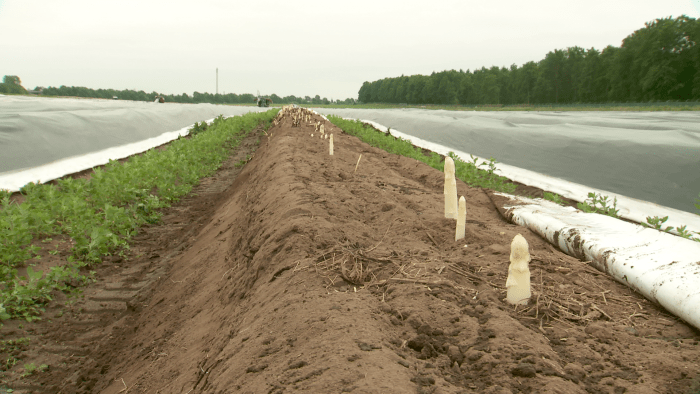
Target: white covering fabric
<point>45,138</point>
<point>662,267</point>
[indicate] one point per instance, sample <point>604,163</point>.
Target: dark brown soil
<point>299,274</point>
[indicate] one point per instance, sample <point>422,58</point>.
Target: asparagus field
<point>289,269</point>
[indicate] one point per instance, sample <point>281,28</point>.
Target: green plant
<point>697,206</point>
<point>471,174</point>
<point>4,193</point>
<point>657,224</point>
<point>684,232</point>
<point>3,313</point>
<point>12,347</point>
<point>31,368</point>
<point>243,161</point>
<point>554,198</point>
<point>599,204</point>
<point>198,128</point>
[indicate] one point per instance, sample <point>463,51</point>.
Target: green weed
<point>11,348</point>
<point>198,128</point>
<point>31,368</point>
<point>243,162</point>
<point>554,198</point>
<point>599,204</point>
<point>657,223</point>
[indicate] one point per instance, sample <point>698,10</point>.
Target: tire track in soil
<point>303,275</point>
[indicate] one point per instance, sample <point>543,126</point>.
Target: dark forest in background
<point>659,62</point>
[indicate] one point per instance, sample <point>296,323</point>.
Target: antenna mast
<point>217,80</point>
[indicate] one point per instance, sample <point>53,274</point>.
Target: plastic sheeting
<point>14,180</point>
<point>649,156</point>
<point>46,138</point>
<point>662,267</point>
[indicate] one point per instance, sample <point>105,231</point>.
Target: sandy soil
<point>299,274</point>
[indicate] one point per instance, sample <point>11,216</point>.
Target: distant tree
<point>12,79</point>
<point>12,84</point>
<point>661,59</point>
<point>466,90</point>
<point>551,76</point>
<point>446,92</point>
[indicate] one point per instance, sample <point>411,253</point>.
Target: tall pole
<point>217,80</point>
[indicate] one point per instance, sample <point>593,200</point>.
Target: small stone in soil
<point>353,357</point>
<point>367,347</point>
<point>423,380</point>
<point>256,368</point>
<point>524,370</point>
<point>298,364</point>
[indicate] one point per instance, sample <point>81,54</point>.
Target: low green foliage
<point>599,204</point>
<point>31,368</point>
<point>469,172</point>
<point>554,198</point>
<point>101,214</point>
<point>10,349</point>
<point>657,223</point>
<point>198,128</point>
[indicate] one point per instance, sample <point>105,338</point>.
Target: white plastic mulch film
<point>663,267</point>
<point>45,138</point>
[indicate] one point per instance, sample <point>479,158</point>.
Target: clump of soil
<point>302,274</point>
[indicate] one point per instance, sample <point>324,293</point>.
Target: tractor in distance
<point>263,101</point>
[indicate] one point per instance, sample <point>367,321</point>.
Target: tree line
<point>196,97</point>
<point>659,62</point>
<point>12,84</point>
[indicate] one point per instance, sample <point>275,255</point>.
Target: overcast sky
<point>299,47</point>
